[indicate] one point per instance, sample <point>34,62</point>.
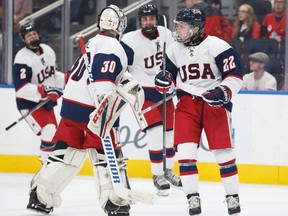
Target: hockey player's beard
<point>150,31</point>
<point>35,45</point>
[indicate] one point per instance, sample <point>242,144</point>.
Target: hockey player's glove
<point>163,82</point>
<point>218,96</point>
<point>53,93</point>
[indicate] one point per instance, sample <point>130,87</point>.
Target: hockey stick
<point>27,114</point>
<point>118,187</point>
<point>148,109</point>
<point>164,96</point>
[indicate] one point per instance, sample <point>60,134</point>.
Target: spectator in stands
<point>245,26</point>
<point>259,79</point>
<point>273,24</point>
<point>261,7</point>
<point>77,16</point>
<point>22,8</point>
<point>215,3</point>
<point>216,23</point>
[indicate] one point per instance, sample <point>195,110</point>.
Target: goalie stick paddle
<point>27,114</point>
<point>119,189</point>
<point>118,186</point>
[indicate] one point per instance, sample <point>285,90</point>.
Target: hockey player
<point>36,79</point>
<point>208,73</point>
<point>216,23</point>
<point>144,50</point>
<point>83,93</point>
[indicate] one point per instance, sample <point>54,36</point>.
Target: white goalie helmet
<point>112,18</point>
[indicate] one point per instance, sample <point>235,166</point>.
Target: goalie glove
<point>163,82</point>
<point>132,92</point>
<point>104,116</point>
<point>218,96</point>
<point>53,93</point>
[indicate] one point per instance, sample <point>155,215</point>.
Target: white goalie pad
<point>105,187</point>
<point>104,116</point>
<point>55,176</point>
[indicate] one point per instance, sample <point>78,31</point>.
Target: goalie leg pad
<point>108,199</point>
<point>104,116</point>
<point>57,174</point>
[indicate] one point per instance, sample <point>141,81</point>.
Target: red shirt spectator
<point>273,24</point>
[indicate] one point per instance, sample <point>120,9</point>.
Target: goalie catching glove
<point>218,96</point>
<point>132,92</point>
<point>53,93</point>
<point>163,82</point>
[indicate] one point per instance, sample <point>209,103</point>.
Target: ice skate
<point>161,184</point>
<point>115,210</point>
<point>35,205</point>
<point>173,178</point>
<point>233,204</point>
<point>194,204</point>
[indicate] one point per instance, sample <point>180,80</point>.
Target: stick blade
<point>11,125</point>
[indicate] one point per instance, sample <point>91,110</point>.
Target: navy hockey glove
<point>218,96</point>
<point>53,93</point>
<point>163,82</point>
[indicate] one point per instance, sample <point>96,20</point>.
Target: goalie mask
<point>189,26</point>
<point>112,18</point>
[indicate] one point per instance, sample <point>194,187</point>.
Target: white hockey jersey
<point>30,71</point>
<point>197,69</point>
<point>145,58</point>
<point>108,63</point>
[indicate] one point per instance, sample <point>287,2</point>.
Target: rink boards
<point>260,125</point>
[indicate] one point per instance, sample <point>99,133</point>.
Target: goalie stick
<point>42,103</point>
<point>118,186</point>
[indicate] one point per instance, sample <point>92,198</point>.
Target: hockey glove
<point>218,96</point>
<point>53,93</point>
<point>163,82</point>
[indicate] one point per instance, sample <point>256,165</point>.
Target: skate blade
<point>38,211</point>
<point>176,187</point>
<point>163,192</point>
